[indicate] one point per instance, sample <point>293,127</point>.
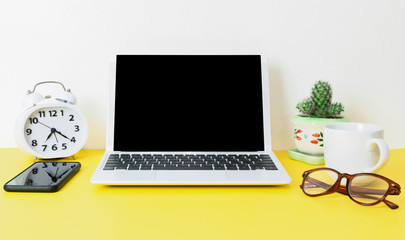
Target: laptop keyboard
<point>189,162</point>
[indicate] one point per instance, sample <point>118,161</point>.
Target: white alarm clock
<point>51,126</point>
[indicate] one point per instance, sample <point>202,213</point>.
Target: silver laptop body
<point>181,105</point>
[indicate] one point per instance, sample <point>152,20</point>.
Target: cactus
<point>320,104</point>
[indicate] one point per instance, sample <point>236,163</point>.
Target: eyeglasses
<point>364,188</point>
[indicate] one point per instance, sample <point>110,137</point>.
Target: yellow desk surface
<point>81,210</point>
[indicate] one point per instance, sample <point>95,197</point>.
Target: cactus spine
<point>320,104</point>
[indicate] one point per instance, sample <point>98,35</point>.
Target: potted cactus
<point>317,111</point>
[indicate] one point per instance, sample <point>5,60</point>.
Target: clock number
<point>28,131</point>
<point>30,182</point>
<point>33,120</point>
<point>62,113</point>
<point>35,171</point>
<point>72,118</point>
<point>73,139</point>
<point>54,147</point>
<point>76,128</point>
<point>34,143</point>
<point>41,113</point>
<point>52,113</point>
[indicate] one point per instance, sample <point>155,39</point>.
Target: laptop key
<point>146,167</point>
<point>230,167</point>
<point>270,167</point>
<point>123,167</point>
<point>108,168</point>
<point>199,168</point>
<point>167,168</point>
<point>243,167</point>
<point>219,167</point>
<point>133,167</point>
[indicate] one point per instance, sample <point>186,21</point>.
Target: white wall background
<point>358,46</point>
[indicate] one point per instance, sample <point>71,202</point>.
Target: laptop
<point>189,119</point>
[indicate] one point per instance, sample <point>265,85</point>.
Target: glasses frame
<point>393,187</point>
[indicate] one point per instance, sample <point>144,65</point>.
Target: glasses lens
<point>320,181</point>
<point>368,189</point>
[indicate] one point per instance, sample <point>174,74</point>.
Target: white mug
<point>355,147</point>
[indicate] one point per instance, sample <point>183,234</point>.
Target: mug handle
<point>384,153</point>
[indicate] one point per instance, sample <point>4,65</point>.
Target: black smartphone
<point>43,177</point>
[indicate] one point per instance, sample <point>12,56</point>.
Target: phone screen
<point>43,177</point>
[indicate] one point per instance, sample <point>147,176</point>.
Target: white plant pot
<point>308,133</point>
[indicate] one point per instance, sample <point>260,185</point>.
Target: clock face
<point>55,131</point>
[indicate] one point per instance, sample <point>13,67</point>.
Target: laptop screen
<point>188,103</point>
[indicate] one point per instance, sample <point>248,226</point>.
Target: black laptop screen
<point>188,103</point>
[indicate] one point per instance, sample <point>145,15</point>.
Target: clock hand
<point>54,179</point>
<point>56,173</point>
<point>44,125</point>
<point>62,134</point>
<point>53,130</point>
<point>60,176</point>
<point>56,137</point>
<point>49,174</point>
<point>49,136</point>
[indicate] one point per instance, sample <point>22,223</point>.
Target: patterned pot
<point>308,133</point>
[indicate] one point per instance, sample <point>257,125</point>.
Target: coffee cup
<point>355,147</point>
